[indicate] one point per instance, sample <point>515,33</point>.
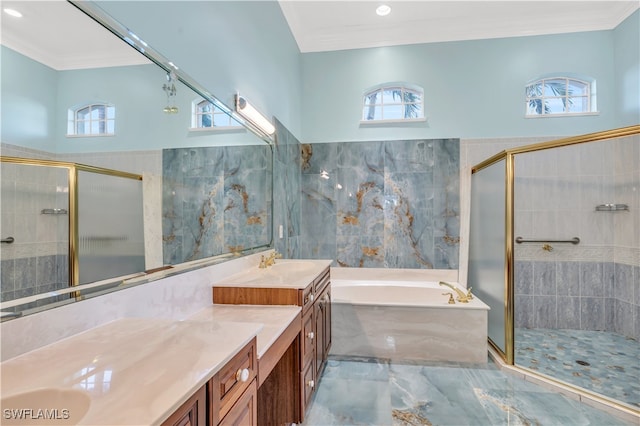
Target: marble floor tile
<point>365,392</point>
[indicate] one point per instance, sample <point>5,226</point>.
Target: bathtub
<point>403,320</point>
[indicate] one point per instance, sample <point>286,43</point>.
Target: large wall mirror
<point>117,168</point>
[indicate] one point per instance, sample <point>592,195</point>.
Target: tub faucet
<point>268,261</point>
<point>462,296</point>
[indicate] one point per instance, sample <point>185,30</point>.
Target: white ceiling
<point>60,36</point>
<point>337,25</point>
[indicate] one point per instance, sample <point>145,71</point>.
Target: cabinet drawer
<point>308,338</point>
<point>236,376</point>
<point>245,411</point>
<point>307,297</point>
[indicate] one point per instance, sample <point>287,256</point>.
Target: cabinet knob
<point>311,297</point>
<point>242,375</point>
<point>326,299</point>
<point>311,383</point>
<point>311,335</point>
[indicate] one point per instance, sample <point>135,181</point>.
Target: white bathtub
<point>406,321</point>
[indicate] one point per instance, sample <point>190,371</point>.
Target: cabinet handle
<point>242,375</point>
<point>311,335</point>
<point>311,297</point>
<point>311,383</point>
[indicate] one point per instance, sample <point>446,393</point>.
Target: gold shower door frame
<point>72,169</point>
<point>508,355</point>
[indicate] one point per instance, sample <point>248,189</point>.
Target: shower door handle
<point>8,240</point>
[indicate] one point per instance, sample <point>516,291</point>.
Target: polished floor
<point>375,392</point>
<point>602,362</point>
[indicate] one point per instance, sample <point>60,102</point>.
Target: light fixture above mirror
<point>249,113</point>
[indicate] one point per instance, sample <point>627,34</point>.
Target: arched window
<point>92,120</point>
<point>560,95</point>
<point>393,102</point>
<point>207,116</point>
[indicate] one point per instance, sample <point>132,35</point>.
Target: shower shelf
<point>54,211</point>
<point>612,207</point>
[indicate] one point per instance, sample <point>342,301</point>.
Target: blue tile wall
<point>215,200</point>
<point>602,296</point>
<point>393,204</point>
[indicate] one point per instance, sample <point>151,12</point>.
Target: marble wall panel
<point>214,200</point>
<point>391,204</point>
<point>287,192</point>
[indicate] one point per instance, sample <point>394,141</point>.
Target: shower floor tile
<point>602,362</point>
<point>369,392</point>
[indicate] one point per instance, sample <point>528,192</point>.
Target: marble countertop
<point>134,370</point>
<point>285,273</point>
<point>274,319</point>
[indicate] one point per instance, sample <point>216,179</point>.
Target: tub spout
<point>462,296</point>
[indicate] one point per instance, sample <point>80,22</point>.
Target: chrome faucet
<point>462,296</point>
<point>265,262</point>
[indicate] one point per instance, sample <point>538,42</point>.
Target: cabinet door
<point>308,338</point>
<point>326,298</point>
<point>191,413</point>
<point>307,386</point>
<point>245,411</point>
<point>319,311</point>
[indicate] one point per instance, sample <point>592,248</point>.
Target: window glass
<point>560,95</point>
<point>207,116</point>
<point>393,103</point>
<point>91,120</point>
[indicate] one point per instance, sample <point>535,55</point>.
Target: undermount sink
<point>291,266</point>
<point>45,407</point>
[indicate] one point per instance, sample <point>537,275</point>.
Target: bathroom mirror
<point>117,167</point>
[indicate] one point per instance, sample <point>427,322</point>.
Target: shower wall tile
<point>623,283</point>
<point>592,313</point>
<point>625,318</point>
<point>544,278</point>
<point>569,312</point>
<point>395,204</point>
<point>568,278</point>
<point>524,313</point>
<point>591,279</point>
<point>546,311</point>
<point>523,275</point>
<point>636,285</point>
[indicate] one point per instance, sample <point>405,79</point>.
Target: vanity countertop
<point>285,273</point>
<point>275,319</point>
<point>133,370</point>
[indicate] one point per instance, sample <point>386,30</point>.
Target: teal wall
<point>28,99</point>
<point>627,70</point>
<point>473,89</point>
<point>227,46</point>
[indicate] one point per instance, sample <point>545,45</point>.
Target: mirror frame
<point>102,287</point>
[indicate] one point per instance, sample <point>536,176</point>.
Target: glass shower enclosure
<point>554,250</point>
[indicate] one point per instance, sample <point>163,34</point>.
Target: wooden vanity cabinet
<point>192,412</point>
<point>315,330</point>
<point>231,393</point>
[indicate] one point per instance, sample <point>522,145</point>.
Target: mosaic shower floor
<point>602,362</point>
<point>382,393</point>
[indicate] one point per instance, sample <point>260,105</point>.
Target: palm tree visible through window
<point>560,95</point>
<point>393,103</point>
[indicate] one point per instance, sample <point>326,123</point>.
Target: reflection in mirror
<point>114,164</point>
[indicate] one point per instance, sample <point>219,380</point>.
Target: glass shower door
<point>110,226</point>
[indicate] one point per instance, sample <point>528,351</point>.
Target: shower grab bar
<point>574,240</point>
<point>8,240</point>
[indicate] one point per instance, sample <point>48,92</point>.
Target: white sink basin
<point>45,407</point>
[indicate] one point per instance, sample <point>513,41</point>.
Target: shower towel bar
<point>574,240</point>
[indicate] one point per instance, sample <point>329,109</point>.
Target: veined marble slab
<point>286,273</point>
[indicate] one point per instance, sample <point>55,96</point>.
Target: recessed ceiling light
<point>383,10</point>
<point>12,12</point>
